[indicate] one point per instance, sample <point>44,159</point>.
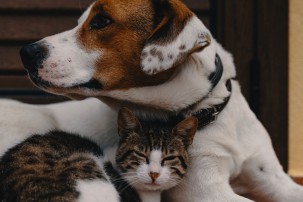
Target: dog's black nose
<point>32,56</point>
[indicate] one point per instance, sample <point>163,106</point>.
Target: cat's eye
<point>168,158</point>
<point>99,21</point>
<point>142,156</point>
<point>140,147</point>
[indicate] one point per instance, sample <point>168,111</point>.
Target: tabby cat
<point>60,166</point>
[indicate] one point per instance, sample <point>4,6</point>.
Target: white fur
<point>155,161</point>
<point>90,118</point>
<point>96,191</point>
<point>229,151</point>
<point>150,196</point>
<point>19,121</point>
<point>68,63</point>
<point>84,15</point>
<point>155,166</point>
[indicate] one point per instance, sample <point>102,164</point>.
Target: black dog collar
<point>209,115</point>
<point>215,77</point>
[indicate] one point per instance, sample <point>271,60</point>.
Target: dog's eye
<point>99,21</point>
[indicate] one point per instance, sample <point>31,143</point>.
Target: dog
<point>158,59</point>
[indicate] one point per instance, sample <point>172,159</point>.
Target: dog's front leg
<point>207,181</point>
<point>267,180</point>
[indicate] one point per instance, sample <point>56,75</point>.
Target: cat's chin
<point>153,187</point>
<point>148,187</point>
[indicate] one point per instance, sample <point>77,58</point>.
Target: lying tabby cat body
<point>60,166</point>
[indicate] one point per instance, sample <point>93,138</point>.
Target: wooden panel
<point>75,4</point>
<point>9,58</point>
<point>197,4</point>
<point>273,57</point>
<point>235,32</point>
<point>33,27</point>
<point>45,99</point>
<point>45,4</point>
<point>16,82</point>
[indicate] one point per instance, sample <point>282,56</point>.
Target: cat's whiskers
<point>131,176</point>
<point>120,179</point>
<point>125,187</point>
<point>130,184</point>
<point>180,183</point>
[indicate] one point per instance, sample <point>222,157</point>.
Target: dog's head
<point>117,45</point>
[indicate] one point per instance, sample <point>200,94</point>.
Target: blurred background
<point>256,32</point>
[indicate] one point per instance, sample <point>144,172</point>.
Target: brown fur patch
<point>121,42</point>
<point>176,15</point>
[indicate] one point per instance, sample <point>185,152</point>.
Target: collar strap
<point>209,115</point>
<point>215,77</point>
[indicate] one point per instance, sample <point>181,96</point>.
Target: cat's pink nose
<point>154,175</point>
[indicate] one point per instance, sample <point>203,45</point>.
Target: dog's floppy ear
<point>178,34</point>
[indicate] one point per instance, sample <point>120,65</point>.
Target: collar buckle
<point>214,116</point>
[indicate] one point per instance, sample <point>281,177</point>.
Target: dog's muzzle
<point>32,56</point>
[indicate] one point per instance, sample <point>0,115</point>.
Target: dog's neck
<point>205,116</point>
<point>188,86</point>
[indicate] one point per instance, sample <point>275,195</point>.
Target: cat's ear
<point>177,35</point>
<point>186,130</point>
<point>127,122</point>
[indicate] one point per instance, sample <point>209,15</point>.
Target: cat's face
<point>154,159</point>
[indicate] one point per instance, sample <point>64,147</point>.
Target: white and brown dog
<point>157,58</point>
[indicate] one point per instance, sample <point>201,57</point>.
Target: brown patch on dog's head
<point>133,24</point>
<point>120,43</point>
